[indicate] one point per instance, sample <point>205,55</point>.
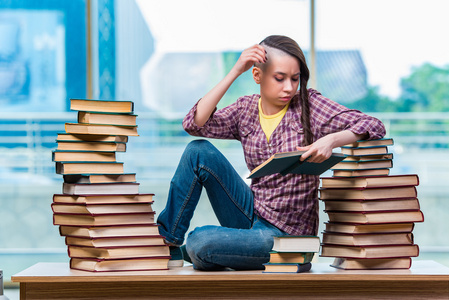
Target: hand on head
<point>250,56</point>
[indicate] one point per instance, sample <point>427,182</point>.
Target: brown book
<point>376,150</point>
<point>115,241</point>
<point>355,173</point>
<point>110,231</point>
<point>388,251</point>
<point>372,263</point>
<point>376,217</point>
<point>112,106</point>
<point>128,264</point>
<point>106,118</point>
<point>368,193</point>
<point>371,143</point>
<point>287,268</point>
<point>118,252</point>
<point>100,129</point>
<point>290,163</point>
<point>94,209</point>
<point>368,239</point>
<point>70,167</point>
<point>91,146</point>
<point>296,243</point>
<point>91,138</point>
<point>372,181</point>
<point>368,157</point>
<point>62,155</point>
<point>291,257</point>
<point>372,205</point>
<point>364,165</point>
<point>99,178</point>
<point>105,199</point>
<point>102,220</point>
<point>100,188</point>
<point>368,228</point>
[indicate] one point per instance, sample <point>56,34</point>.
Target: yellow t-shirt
<point>270,122</point>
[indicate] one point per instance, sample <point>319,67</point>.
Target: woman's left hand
<point>317,152</point>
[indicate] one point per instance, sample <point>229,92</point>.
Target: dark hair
<point>292,48</point>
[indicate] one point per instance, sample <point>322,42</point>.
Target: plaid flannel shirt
<point>289,202</point>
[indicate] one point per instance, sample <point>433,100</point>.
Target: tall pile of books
<point>292,254</point>
<point>107,224</point>
<point>371,213</point>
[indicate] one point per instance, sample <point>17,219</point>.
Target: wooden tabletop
<point>425,270</point>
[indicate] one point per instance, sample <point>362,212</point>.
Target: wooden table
<point>425,280</point>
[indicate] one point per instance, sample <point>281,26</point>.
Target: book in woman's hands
<point>289,162</point>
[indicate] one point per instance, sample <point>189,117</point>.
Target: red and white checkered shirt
<point>289,202</point>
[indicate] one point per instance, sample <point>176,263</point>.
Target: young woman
<point>285,116</point>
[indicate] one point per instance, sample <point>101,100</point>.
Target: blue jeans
<point>243,241</point>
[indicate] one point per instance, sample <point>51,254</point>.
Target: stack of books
<point>292,254</point>
<point>371,213</point>
<point>107,224</point>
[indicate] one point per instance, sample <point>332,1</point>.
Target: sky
<point>392,35</point>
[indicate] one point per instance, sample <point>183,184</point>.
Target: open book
<point>289,162</point>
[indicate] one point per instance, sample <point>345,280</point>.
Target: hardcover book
<point>115,241</point>
<point>364,165</point>
<point>381,251</point>
<point>376,217</point>
<point>63,136</point>
<point>100,178</point>
<point>368,193</point>
<point>105,198</point>
<point>100,129</point>
<point>107,118</point>
<point>102,219</point>
<point>102,105</point>
<point>356,173</point>
<point>110,231</point>
<point>291,257</point>
<point>118,252</point>
<point>372,181</point>
<point>286,268</point>
<point>372,205</point>
<point>77,167</point>
<point>61,155</point>
<point>128,264</point>
<point>375,150</point>
<point>372,263</point>
<point>368,228</point>
<point>95,209</point>
<point>296,243</point>
<point>367,239</point>
<point>371,143</point>
<point>100,188</point>
<point>289,162</point>
<point>91,146</point>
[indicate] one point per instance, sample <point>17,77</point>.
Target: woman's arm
<point>207,104</point>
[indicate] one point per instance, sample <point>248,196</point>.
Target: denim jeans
<point>243,240</point>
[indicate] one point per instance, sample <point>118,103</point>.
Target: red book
<point>129,264</point>
<point>103,219</point>
<point>110,231</point>
<point>96,209</point>
<point>376,217</point>
<point>156,240</point>
<point>103,198</point>
<point>117,252</point>
<point>368,193</point>
<point>388,251</point>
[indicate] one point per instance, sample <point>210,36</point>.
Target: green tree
<point>426,89</point>
<point>374,102</point>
